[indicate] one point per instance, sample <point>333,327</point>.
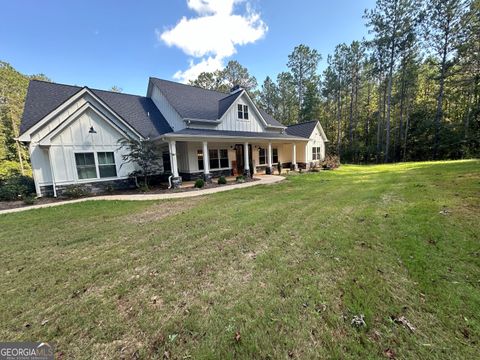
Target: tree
<point>391,21</point>
<point>303,63</point>
<point>224,80</point>
<point>144,154</point>
<point>443,32</point>
<point>287,108</point>
<point>269,97</point>
<point>13,89</point>
<point>116,88</point>
<point>211,81</point>
<point>236,74</point>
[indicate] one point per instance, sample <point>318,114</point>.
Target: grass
<point>267,272</point>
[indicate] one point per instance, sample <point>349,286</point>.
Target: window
<point>167,166</point>
<point>218,159</point>
<point>86,168</point>
<point>213,156</point>
<point>242,111</point>
<point>275,155</point>
<point>106,164</point>
<point>262,156</point>
<point>223,158</point>
<point>316,153</point>
<point>200,159</point>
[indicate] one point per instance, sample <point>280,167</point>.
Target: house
<point>72,134</point>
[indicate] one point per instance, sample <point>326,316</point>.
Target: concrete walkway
<point>263,180</point>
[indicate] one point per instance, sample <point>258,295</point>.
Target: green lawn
<point>268,272</point>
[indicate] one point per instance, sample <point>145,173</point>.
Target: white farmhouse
<point>73,134</point>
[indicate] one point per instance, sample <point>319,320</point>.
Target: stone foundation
<point>93,188</point>
<point>199,175</point>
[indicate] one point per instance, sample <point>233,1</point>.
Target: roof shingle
<point>137,111</point>
<point>303,129</point>
<point>192,102</point>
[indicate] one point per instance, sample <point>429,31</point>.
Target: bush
<point>199,183</point>
<point>222,180</point>
<point>16,187</point>
<point>9,169</point>
<point>29,200</point>
<point>331,162</point>
<point>240,179</point>
<point>74,191</point>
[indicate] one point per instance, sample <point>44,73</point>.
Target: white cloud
<point>213,35</point>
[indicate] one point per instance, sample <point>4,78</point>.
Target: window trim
<point>316,153</point>
<point>97,169</point>
<point>260,156</point>
<point>218,158</point>
<point>275,150</point>
<point>243,112</point>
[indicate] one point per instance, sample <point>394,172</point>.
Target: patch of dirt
<point>164,209</point>
<point>5,205</point>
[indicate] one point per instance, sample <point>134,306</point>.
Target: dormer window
<point>242,111</point>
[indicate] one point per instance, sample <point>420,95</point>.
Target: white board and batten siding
<point>171,115</point>
<point>59,157</point>
<point>231,122</point>
<point>316,140</point>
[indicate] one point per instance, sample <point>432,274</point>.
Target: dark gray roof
<point>303,129</point>
<point>225,103</point>
<point>228,133</point>
<point>192,102</point>
<point>137,111</point>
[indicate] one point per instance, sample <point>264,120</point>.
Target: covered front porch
<point>190,158</point>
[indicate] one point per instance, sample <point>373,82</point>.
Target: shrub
<point>199,183</point>
<point>331,162</point>
<point>9,169</point>
<point>74,191</point>
<point>240,179</point>
<point>222,180</point>
<point>29,200</point>
<point>16,187</point>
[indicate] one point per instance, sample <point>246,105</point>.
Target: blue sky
<point>105,42</point>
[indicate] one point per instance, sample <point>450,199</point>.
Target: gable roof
<point>137,111</point>
<point>192,102</point>
<point>303,129</point>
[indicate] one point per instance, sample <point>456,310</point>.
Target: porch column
<point>206,163</point>
<point>294,157</point>
<point>176,179</point>
<point>269,161</point>
<point>246,171</point>
<point>306,156</point>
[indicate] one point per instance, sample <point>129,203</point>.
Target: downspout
<point>170,181</point>
<point>51,170</point>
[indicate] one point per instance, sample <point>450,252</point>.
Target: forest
<point>409,92</point>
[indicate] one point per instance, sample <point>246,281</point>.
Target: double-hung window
<point>316,153</point>
<point>218,158</point>
<point>106,164</point>
<point>242,111</point>
<point>213,157</point>
<point>200,159</point>
<point>262,156</point>
<point>275,155</point>
<point>86,168</point>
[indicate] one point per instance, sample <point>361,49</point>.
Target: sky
<point>102,43</point>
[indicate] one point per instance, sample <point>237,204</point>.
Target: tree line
<point>409,92</point>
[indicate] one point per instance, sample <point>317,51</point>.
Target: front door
<point>240,157</point>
